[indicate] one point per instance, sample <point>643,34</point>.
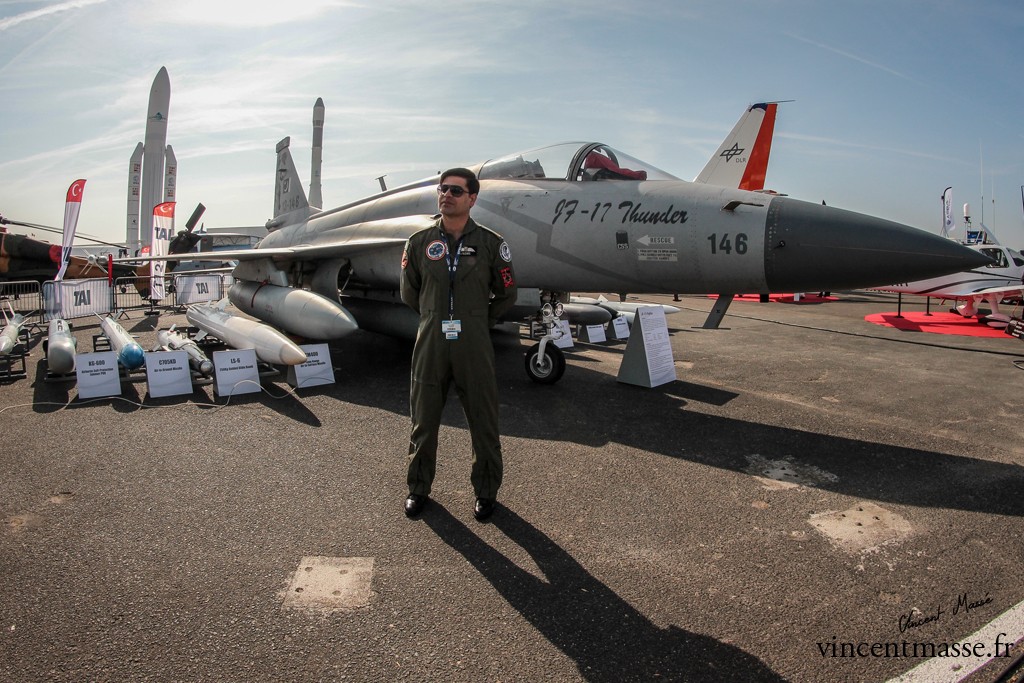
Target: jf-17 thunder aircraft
<point>578,217</point>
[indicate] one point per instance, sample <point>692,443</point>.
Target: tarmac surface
<point>810,481</point>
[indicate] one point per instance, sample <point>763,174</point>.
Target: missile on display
<point>11,331</point>
<point>176,341</point>
<point>60,347</point>
<point>129,353</point>
<point>299,311</point>
<point>241,333</point>
<point>624,309</point>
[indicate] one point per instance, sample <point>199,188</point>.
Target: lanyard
<point>453,265</point>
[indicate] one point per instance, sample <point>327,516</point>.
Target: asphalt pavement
<point>811,486</point>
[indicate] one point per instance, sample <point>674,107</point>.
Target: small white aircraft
<point>1002,278</point>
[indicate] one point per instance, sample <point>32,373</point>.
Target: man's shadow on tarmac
<point>607,638</point>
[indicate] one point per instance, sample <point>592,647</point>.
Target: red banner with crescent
<point>71,210</point>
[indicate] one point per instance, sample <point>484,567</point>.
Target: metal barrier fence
<point>24,297</point>
<point>132,293</point>
<point>72,299</point>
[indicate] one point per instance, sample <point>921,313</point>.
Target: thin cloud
<point>850,55</point>
<point>45,12</point>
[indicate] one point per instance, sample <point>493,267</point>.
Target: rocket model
<point>176,341</point>
<point>153,184</point>
<point>242,333</point>
<point>129,353</point>
<point>315,197</point>
<point>60,347</point>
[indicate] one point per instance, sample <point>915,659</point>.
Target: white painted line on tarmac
<point>1008,627</point>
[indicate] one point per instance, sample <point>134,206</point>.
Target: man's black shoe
<point>414,504</point>
<point>483,509</point>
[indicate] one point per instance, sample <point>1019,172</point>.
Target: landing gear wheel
<point>547,369</point>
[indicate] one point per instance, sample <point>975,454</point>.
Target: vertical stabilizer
<point>742,159</point>
<point>290,204</point>
<point>315,197</point>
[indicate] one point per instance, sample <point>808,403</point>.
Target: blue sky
<point>894,100</point>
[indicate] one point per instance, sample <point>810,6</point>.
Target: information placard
<point>236,372</point>
<point>648,361</point>
<point>97,374</point>
<point>565,341</point>
<point>167,373</point>
<point>594,334</point>
<point>619,328</point>
<point>315,371</point>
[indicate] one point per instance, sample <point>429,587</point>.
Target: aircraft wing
<point>338,249</point>
<point>1013,289</point>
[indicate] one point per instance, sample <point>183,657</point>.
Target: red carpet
<point>937,323</point>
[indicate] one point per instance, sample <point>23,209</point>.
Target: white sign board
<point>315,371</point>
<point>594,334</point>
<point>196,289</point>
<point>168,374</point>
<point>235,372</point>
<point>98,374</point>
<point>565,341</point>
<point>76,298</point>
<point>648,361</point>
<point>619,328</point>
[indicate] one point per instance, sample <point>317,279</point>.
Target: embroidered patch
<point>505,253</point>
<point>436,250</point>
<point>405,258</point>
<point>506,277</point>
<point>467,251</point>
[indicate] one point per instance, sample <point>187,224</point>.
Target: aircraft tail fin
<point>290,203</point>
<point>742,159</point>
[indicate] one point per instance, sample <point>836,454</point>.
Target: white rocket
<point>315,197</point>
<point>154,184</point>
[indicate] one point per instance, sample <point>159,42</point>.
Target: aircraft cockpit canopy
<point>579,161</point>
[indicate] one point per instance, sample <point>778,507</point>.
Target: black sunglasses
<point>455,190</point>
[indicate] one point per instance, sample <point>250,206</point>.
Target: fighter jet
<point>1001,278</point>
<point>578,216</point>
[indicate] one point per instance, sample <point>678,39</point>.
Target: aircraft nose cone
<point>6,345</point>
<point>811,247</point>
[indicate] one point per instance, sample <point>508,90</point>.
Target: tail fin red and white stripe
<point>742,159</point>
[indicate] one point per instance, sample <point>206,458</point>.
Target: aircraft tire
<point>546,370</point>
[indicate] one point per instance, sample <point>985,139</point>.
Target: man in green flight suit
<point>458,276</point>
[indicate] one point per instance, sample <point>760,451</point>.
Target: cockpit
<point>580,161</point>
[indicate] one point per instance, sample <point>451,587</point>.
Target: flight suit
<point>484,288</point>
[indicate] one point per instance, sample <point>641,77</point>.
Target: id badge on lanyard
<point>451,327</point>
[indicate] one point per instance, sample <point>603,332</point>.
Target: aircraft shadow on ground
<point>591,408</point>
<point>607,638</point>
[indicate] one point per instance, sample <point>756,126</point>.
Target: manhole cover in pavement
<point>326,583</point>
<point>865,526</point>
